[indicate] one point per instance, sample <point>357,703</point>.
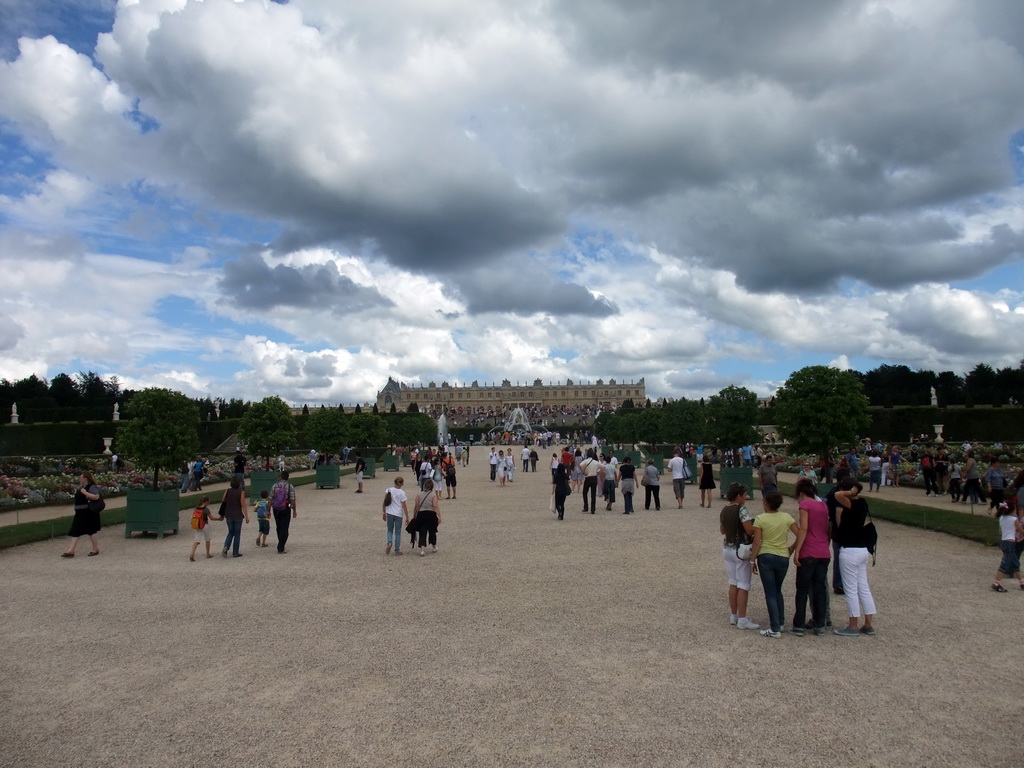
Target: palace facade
<point>497,397</point>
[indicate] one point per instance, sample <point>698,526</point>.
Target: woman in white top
<point>1009,529</point>
<point>501,468</point>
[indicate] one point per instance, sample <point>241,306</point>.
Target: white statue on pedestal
<point>935,399</point>
<point>117,412</point>
<point>14,413</point>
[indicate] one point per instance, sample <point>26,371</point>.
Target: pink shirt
<point>816,541</point>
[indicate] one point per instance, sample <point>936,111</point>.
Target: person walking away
<point>707,480</point>
<point>811,557</point>
<point>736,524</point>
<point>263,519</point>
<point>86,521</point>
<point>492,460</point>
<point>851,517</point>
<point>235,511</point>
<point>770,556</point>
<point>608,479</point>
<point>525,455</point>
<point>627,483</point>
<point>560,489</point>
<point>204,533</point>
<point>652,485</point>
<point>285,509</point>
<point>427,517</point>
<point>680,474</point>
<point>360,468</point>
<point>590,468</point>
<point>450,479</point>
<point>534,458</point>
<point>955,487</point>
<point>396,515</point>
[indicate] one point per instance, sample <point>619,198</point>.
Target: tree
<point>409,428</point>
<point>162,430</point>
<point>819,408</point>
<point>358,409</point>
<point>366,430</point>
<point>393,408</point>
<point>267,427</point>
<point>325,430</point>
<point>732,416</point>
<point>683,421</point>
<point>64,391</point>
<point>413,408</point>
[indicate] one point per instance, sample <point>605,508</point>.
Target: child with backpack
<point>263,518</point>
<point>201,518</point>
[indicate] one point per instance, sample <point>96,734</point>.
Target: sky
<point>251,198</point>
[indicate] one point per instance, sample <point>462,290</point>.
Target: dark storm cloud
<point>527,293</point>
<point>257,285</point>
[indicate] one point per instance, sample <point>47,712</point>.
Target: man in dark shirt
<point>360,467</point>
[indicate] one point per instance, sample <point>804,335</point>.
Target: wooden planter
<point>152,512</point>
<point>328,475</point>
<point>260,481</point>
<point>390,463</point>
<point>729,475</point>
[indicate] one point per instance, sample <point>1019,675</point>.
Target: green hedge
<point>959,424</point>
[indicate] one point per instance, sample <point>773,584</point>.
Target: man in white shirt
<point>526,458</point>
<point>680,473</point>
<point>493,461</point>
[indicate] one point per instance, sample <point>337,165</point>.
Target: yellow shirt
<point>774,533</point>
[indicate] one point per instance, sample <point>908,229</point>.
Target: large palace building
<point>434,397</point>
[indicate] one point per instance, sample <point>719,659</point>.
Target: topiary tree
<point>325,430</point>
<point>366,429</point>
<point>161,430</point>
<point>819,408</point>
<point>732,416</point>
<point>268,427</point>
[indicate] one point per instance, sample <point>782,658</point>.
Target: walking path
<point>601,640</point>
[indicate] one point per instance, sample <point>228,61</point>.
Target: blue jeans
<point>395,531</point>
<point>234,532</point>
<point>772,569</point>
<point>627,499</point>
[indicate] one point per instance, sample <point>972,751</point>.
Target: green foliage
<point>162,430</point>
<point>267,428</point>
<point>325,430</point>
<point>820,407</point>
<point>393,408</point>
<point>731,418</point>
<point>358,409</point>
<point>413,408</point>
<point>410,428</point>
<point>683,421</point>
<point>366,430</point>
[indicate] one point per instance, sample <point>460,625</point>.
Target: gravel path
<point>602,640</point>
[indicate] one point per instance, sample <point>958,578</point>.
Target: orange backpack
<point>199,519</point>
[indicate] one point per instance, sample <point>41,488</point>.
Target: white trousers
<point>853,564</point>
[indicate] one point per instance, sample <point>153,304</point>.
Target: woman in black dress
<point>560,488</point>
<point>707,480</point>
<point>87,519</point>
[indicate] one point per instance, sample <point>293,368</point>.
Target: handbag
<point>97,506</point>
<point>743,551</point>
<point>551,506</point>
<point>644,479</point>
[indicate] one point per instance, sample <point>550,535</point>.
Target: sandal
<point>68,554</point>
<point>996,587</point>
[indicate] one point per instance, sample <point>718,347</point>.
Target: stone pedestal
<point>938,432</point>
<point>106,445</point>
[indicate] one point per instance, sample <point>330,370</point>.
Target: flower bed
<point>44,481</point>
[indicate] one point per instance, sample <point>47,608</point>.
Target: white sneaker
<point>732,620</point>
<point>423,553</point>
<point>434,548</point>
<point>769,633</point>
<point>746,623</point>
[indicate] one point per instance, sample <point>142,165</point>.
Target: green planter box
<point>328,475</point>
<point>636,456</point>
<point>405,458</point>
<point>659,462</point>
<point>390,463</point>
<point>825,488</point>
<point>151,512</point>
<point>259,481</point>
<point>691,462</point>
<point>371,467</point>
<point>729,475</point>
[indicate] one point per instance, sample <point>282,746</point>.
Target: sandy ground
<point>601,640</point>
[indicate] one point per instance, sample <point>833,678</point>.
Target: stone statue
<point>14,413</point>
<point>935,399</point>
<point>117,412</point>
<point>216,410</point>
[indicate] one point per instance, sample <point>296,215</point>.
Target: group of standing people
<point>761,545</point>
